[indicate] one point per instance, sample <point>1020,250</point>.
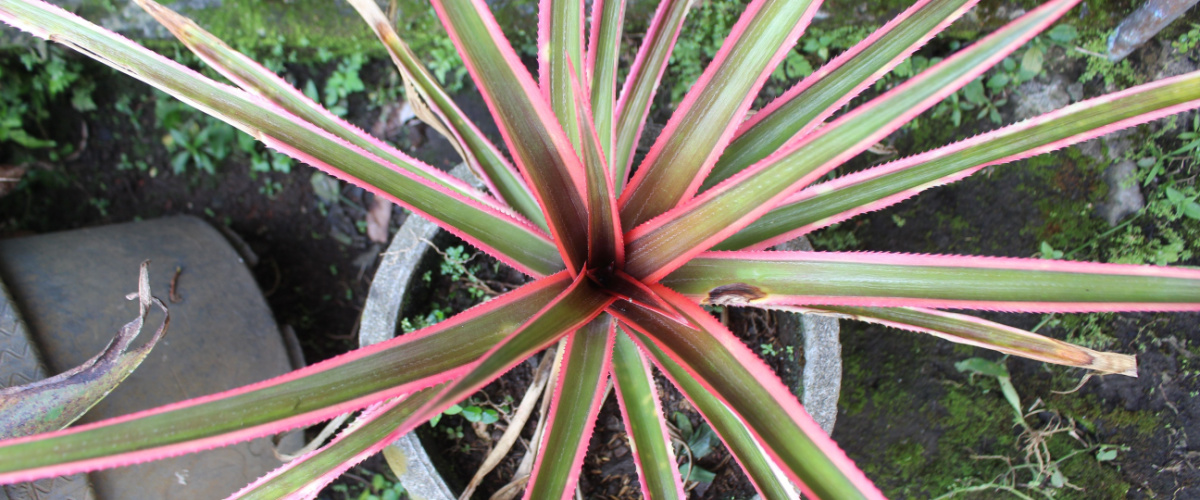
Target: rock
<point>1124,197</point>
<point>1035,98</point>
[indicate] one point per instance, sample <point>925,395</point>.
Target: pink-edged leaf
<point>626,287</point>
<point>969,330</point>
<point>434,106</point>
<point>605,243</point>
<point>805,106</point>
<point>667,242</point>
<point>542,151</point>
<point>712,110</point>
<point>645,422</point>
<point>578,396</point>
<point>873,189</point>
<point>254,78</point>
<point>770,482</point>
<point>318,392</point>
<point>603,53</point>
<point>509,239</point>
<point>747,386</point>
<point>642,82</point>
<point>560,55</point>
<point>53,403</point>
<point>377,427</point>
<point>938,281</point>
<point>576,306</point>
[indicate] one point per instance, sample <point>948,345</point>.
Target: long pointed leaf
<point>978,332</point>
<point>711,111</point>
<point>315,393</point>
<point>767,478</point>
<point>939,281</point>
<point>256,79</point>
<point>53,403</point>
<point>803,107</point>
<point>570,310</point>
<point>603,53</point>
<point>832,202</point>
<point>560,59</point>
<point>667,242</point>
<point>375,429</point>
<point>735,375</point>
<point>605,238</point>
<point>577,399</point>
<point>479,153</point>
<point>541,149</point>
<point>642,82</point>
<point>645,422</point>
<point>501,235</point>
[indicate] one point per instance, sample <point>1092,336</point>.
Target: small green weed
<point>692,444</point>
<point>379,487</point>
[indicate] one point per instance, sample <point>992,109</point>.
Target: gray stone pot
<point>815,336</point>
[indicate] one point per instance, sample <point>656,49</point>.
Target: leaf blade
<point>475,148</point>
<point>665,243</point>
<point>838,200</point>
<point>640,86</point>
<point>505,237</point>
<point>938,281</point>
<point>315,393</point>
<point>710,112</point>
<point>542,151</point>
<point>803,107</point>
<point>969,330</point>
<point>578,396</point>
<point>642,413</point>
<point>54,403</point>
<point>730,371</point>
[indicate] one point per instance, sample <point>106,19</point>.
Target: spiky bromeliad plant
<point>623,256</point>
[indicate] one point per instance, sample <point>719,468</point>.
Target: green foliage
<point>29,90</point>
<point>379,487</point>
<point>703,32</point>
<point>1188,40</point>
<point>693,443</point>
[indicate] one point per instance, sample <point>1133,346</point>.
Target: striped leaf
<point>873,189</point>
<point>711,111</point>
<point>745,384</point>
<point>578,395</point>
<point>938,281</point>
<point>542,151</point>
<point>805,106</point>
<point>511,240</point>
<point>318,392</point>
<point>645,423</point>
<point>667,242</point>
<point>978,332</point>
<point>433,105</point>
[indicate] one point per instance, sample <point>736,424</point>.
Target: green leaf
<point>580,391</point>
<point>699,130</point>
<point>1031,62</point>
<point>1063,33</point>
<point>803,107</point>
<point>505,237</point>
<point>695,473</point>
<point>642,409</point>
<point>974,92</point>
<point>323,390</point>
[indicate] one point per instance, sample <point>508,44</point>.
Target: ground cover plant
<point>624,253</point>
